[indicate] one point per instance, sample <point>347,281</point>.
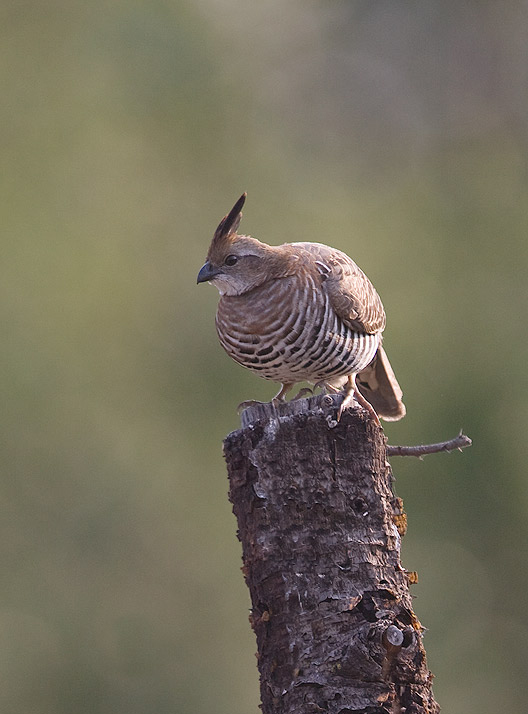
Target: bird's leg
<point>277,399</point>
<point>351,393</point>
<point>281,394</point>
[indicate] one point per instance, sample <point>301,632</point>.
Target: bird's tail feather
<point>378,384</point>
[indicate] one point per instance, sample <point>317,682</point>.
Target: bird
<point>301,312</point>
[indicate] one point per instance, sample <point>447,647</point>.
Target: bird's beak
<point>207,272</point>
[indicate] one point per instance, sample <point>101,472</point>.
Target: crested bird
<point>301,312</point>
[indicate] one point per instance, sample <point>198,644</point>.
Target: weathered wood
<point>320,529</point>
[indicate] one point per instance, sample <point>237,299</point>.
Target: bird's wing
<point>351,293</point>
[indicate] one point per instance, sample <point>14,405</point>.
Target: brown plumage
<point>301,312</point>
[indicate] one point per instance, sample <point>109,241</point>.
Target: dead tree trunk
<point>320,529</point>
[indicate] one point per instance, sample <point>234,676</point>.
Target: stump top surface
<point>325,403</point>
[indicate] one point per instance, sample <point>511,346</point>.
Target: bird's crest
<point>226,232</point>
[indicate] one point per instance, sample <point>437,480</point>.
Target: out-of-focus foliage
<point>395,131</point>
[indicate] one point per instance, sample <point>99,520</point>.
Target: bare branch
<point>459,442</point>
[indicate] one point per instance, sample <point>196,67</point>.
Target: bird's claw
<point>326,387</point>
<point>255,403</point>
<point>351,394</point>
<point>247,404</point>
<point>348,400</point>
<point>302,393</point>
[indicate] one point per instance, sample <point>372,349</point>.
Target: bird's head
<point>235,263</point>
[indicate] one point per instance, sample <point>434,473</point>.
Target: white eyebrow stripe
<point>241,254</point>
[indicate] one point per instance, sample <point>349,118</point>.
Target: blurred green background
<point>394,131</point>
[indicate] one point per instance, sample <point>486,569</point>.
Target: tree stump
<point>321,531</point>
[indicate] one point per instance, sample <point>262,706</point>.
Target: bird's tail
<point>378,384</point>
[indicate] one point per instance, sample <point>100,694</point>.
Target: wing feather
<point>351,293</point>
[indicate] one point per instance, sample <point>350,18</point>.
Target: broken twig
<point>459,442</point>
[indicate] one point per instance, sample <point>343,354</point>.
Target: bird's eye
<point>230,260</point>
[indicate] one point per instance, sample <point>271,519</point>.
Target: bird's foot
<point>326,387</point>
<point>281,394</point>
<point>279,398</point>
<point>348,401</point>
<point>352,393</point>
<point>248,403</point>
<point>366,405</point>
<point>302,393</point>
<point>255,403</point>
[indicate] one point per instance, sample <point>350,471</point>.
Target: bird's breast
<point>286,330</point>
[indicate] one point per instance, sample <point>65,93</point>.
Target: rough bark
<point>321,529</point>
